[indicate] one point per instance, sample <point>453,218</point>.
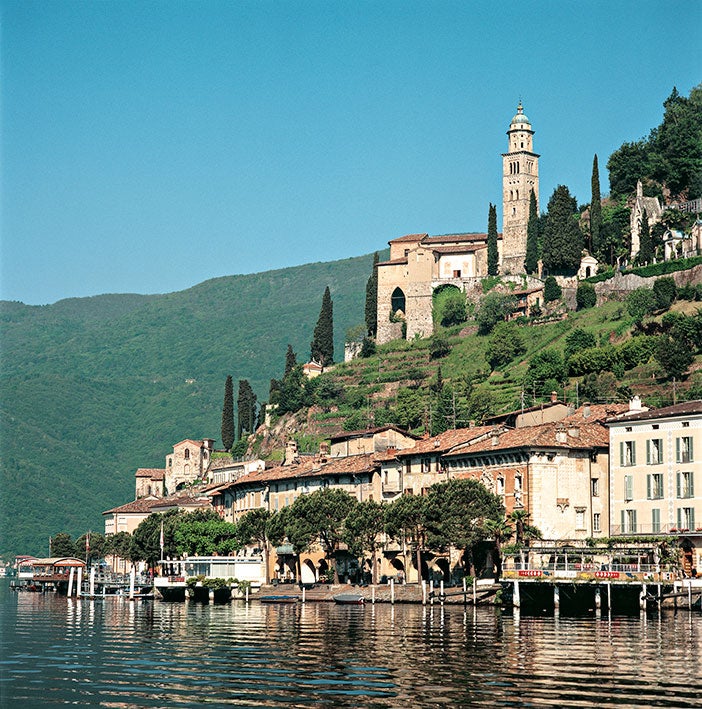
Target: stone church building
<point>420,264</point>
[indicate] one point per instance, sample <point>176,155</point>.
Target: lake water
<point>117,653</point>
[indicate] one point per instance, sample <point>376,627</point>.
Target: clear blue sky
<point>148,146</point>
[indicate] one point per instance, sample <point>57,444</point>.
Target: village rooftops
<point>446,441</point>
<point>364,433</point>
<point>151,473</point>
<point>687,408</point>
<point>143,504</point>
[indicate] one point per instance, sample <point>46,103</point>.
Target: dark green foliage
<point>685,328</point>
<point>368,347</point>
<point>674,356</point>
<point>506,342</point>
<point>595,208</point>
<point>328,391</point>
<point>585,296</point>
<point>578,340</point>
<point>371,299</point>
<point>410,408</point>
<point>290,360</point>
<point>246,409</point>
<point>552,291</point>
<point>645,254</point>
<point>480,406</point>
<point>563,240</point>
<point>291,396</point>
<point>592,359</point>
<point>439,346</point>
<point>228,414</point>
<point>119,544</point>
<point>449,306</point>
<point>638,350</point>
<point>545,365</point>
<point>493,255</point>
<point>626,166</point>
<point>204,535</point>
<point>598,388</point>
<point>405,522</point>
<point>615,233</point>
<point>63,545</point>
<point>322,347</point>
<point>531,261</point>
<point>658,269</point>
<point>362,529</point>
<point>665,291</point>
<point>640,303</point>
<point>493,308</point>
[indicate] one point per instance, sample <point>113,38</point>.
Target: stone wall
<point>621,285</point>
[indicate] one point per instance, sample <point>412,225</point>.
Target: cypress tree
<point>493,256</point>
<point>228,415</point>
<point>372,299</point>
<point>290,360</point>
<point>563,240</point>
<point>595,209</point>
<point>322,346</point>
<point>531,261</point>
<point>645,243</point>
<point>246,408</point>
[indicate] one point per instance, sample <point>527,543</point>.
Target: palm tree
<point>501,531</point>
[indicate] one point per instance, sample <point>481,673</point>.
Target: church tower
<point>520,175</point>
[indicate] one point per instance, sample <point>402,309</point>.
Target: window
<point>500,486</point>
<point>595,482</point>
<point>409,491</point>
<point>686,518</point>
<point>654,486</point>
<point>426,465</point>
<point>685,484</point>
<point>654,451</point>
<point>628,521</point>
<point>457,274</point>
<point>596,522</point>
<point>683,449</point>
<point>627,453</point>
<point>580,519</point>
<point>187,454</point>
<point>408,466</point>
<point>517,483</point>
<point>628,487</point>
<point>655,521</point>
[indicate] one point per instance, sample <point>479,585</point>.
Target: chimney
<point>586,410</point>
<point>290,452</point>
<point>323,451</point>
<point>561,434</point>
<point>554,397</point>
<point>574,431</point>
<point>635,405</point>
<point>495,433</point>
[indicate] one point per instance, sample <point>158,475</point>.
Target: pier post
<point>70,580</point>
<point>689,593</point>
<point>246,596</point>
<point>598,598</point>
<point>303,594</point>
<point>431,592</point>
<point>424,592</point>
<point>475,591</point>
<point>372,594</point>
<point>609,596</point>
<point>643,597</point>
<point>79,589</point>
<point>465,591</point>
<point>392,590</point>
<point>441,592</point>
<point>132,581</point>
<point>556,596</point>
<point>92,581</point>
<point>516,601</point>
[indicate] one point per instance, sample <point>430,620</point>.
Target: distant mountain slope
<point>92,388</point>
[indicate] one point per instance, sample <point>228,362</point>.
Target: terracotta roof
<point>189,440</point>
<point>597,413</point>
<point>527,291</point>
<point>143,504</point>
<point>394,262</point>
<point>408,237</point>
<point>371,432</point>
<point>445,441</point>
<point>469,249</point>
<point>185,501</point>
<point>687,408</point>
<point>517,412</point>
<point>443,238</point>
<point>153,473</point>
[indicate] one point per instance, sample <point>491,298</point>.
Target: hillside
<point>92,388</point>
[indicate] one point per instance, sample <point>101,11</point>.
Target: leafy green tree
<point>585,296</point>
<point>493,308</point>
<point>645,254</point>
<point>577,340</point>
<point>552,291</point>
<point>322,346</point>
<point>591,359</point>
<point>481,405</point>
<point>146,544</point>
<point>598,387</point>
<point>665,291</point>
<point>290,361</point>
<point>228,415</point>
<point>640,303</point>
<point>405,522</point>
<point>409,409</point>
<point>246,408</point>
<point>501,532</point>
<point>195,536</point>
<point>595,207</point>
<point>368,348</point>
<point>456,514</point>
<point>291,397</point>
<point>638,350</point>
<point>545,365</point>
<point>372,300</point>
<point>93,550</point>
<point>493,257</point>
<point>252,528</point>
<point>674,356</point>
<point>120,545</point>
<point>505,344</point>
<point>531,262</point>
<point>439,346</point>
<point>450,306</point>
<point>563,240</point>
<point>523,531</point>
<point>685,328</point>
<point>615,233</point>
<point>363,526</point>
<point>63,545</point>
<point>626,167</point>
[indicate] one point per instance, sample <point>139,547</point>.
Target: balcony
<point>626,530</point>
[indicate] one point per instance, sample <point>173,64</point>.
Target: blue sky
<point>148,146</point>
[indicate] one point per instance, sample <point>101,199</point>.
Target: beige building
<point>655,460</point>
<point>187,463</point>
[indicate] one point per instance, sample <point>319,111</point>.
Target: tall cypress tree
<point>372,299</point>
<point>322,346</point>
<point>290,360</point>
<point>493,256</point>
<point>645,243</point>
<point>531,261</point>
<point>595,210</point>
<point>563,240</point>
<point>228,415</point>
<point>246,408</point>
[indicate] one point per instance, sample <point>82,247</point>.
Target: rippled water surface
<point>117,653</point>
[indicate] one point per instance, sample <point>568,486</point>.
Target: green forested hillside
<point>92,388</point>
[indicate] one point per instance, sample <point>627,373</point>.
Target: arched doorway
<point>308,572</point>
<point>398,302</point>
<point>442,570</point>
<point>448,305</point>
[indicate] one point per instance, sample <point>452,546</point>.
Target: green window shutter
<point>692,519</point>
<point>680,524</point>
<point>655,520</point>
<point>633,521</point>
<point>691,456</point>
<point>648,452</point>
<point>678,484</point>
<point>621,453</point>
<point>648,486</point>
<point>692,484</point>
<point>677,450</point>
<point>628,487</point>
<point>623,529</point>
<point>633,452</point>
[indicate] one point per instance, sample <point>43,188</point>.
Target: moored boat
<point>349,599</point>
<point>279,599</point>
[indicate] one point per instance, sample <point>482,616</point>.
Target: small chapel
<point>420,264</point>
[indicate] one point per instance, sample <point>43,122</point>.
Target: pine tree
<point>372,299</point>
<point>493,255</point>
<point>322,346</point>
<point>595,209</point>
<point>290,360</point>
<point>228,415</point>
<point>563,240</point>
<point>531,261</point>
<point>645,243</point>
<point>246,408</point>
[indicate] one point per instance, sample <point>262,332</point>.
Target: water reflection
<point>133,653</point>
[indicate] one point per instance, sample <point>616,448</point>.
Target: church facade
<point>420,264</point>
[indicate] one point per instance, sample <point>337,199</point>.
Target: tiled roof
<point>371,432</point>
<point>189,440</point>
<point>527,291</point>
<point>142,505</point>
<point>470,248</point>
<point>445,238</point>
<point>687,408</point>
<point>597,412</point>
<point>394,262</point>
<point>153,473</point>
<point>445,441</point>
<point>408,237</point>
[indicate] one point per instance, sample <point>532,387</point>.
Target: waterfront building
<point>655,458</point>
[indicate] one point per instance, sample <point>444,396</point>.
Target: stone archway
<point>448,305</point>
<point>398,301</point>
<point>307,572</point>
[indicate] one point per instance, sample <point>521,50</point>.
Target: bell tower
<point>520,175</point>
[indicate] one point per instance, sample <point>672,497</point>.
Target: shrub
<point>544,365</point>
<point>578,340</point>
<point>439,346</point>
<point>368,348</point>
<point>585,296</point>
<point>493,308</point>
<point>449,307</point>
<point>552,291</point>
<point>674,356</point>
<point>640,303</point>
<point>665,291</point>
<point>592,359</point>
<point>636,351</point>
<point>506,343</point>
